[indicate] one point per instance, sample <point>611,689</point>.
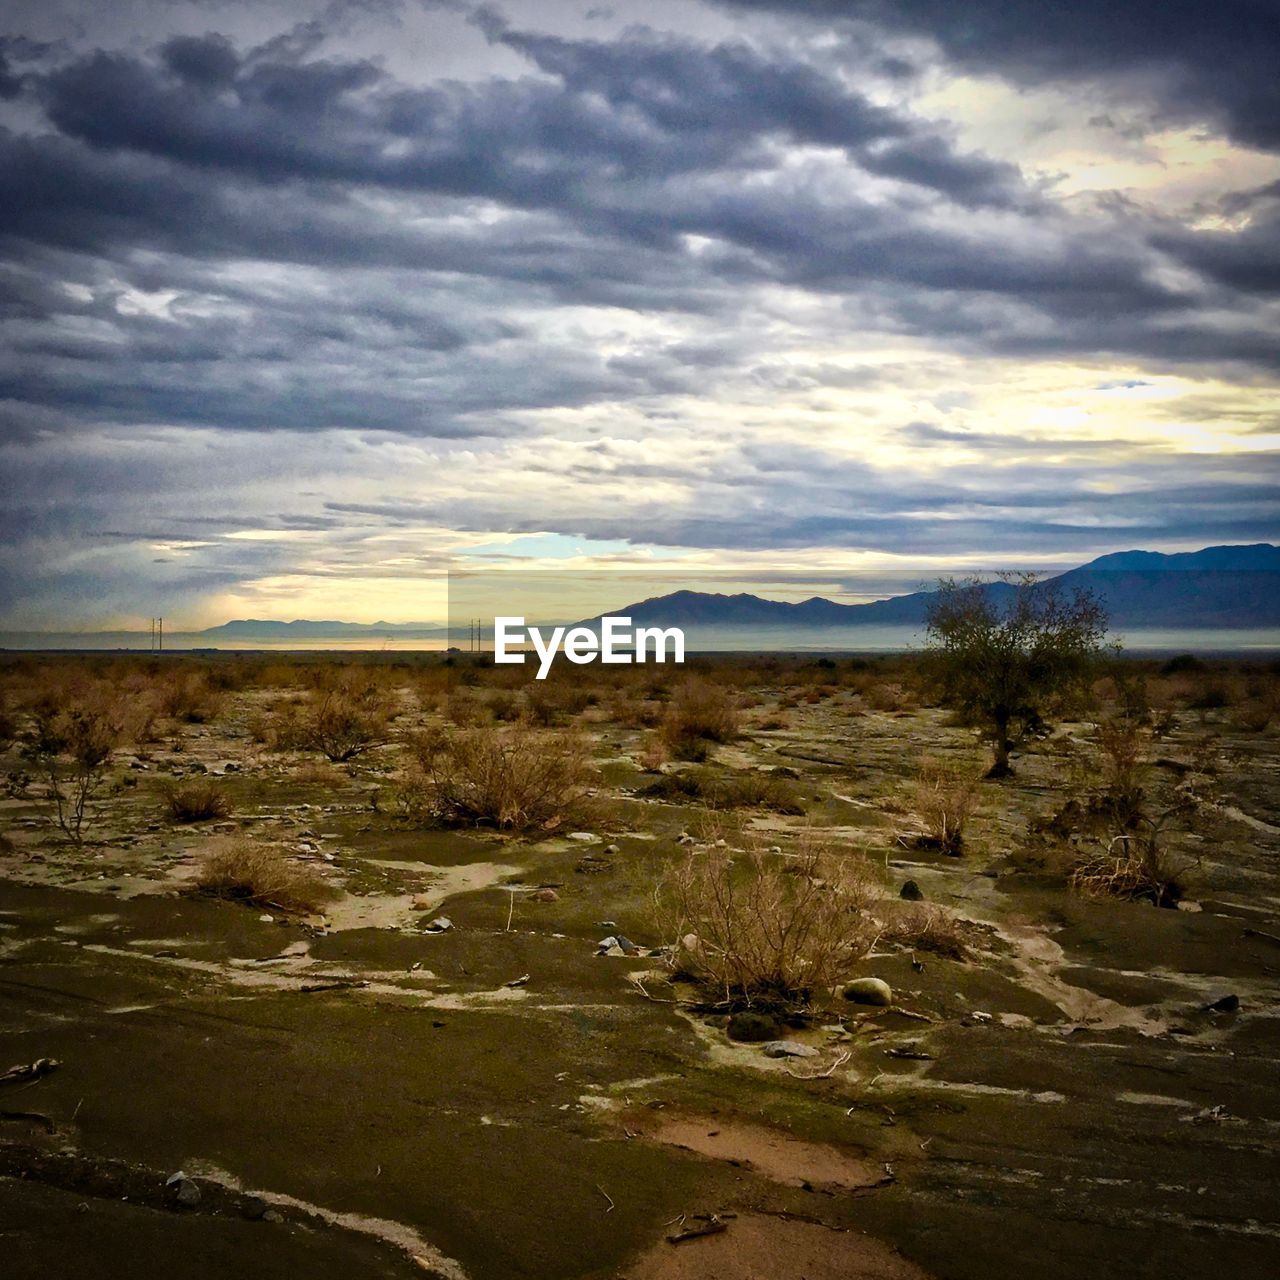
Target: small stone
<point>612,849</point>
<point>911,891</point>
<point>544,895</point>
<point>789,1049</point>
<point>254,1208</point>
<point>585,836</point>
<point>1187,905</point>
<point>872,991</point>
<point>273,1215</point>
<point>265,919</point>
<point>441,924</point>
<point>751,1028</point>
<point>1227,1004</point>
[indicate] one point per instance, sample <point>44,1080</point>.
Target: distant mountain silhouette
<point>1218,587</point>
<point>305,628</point>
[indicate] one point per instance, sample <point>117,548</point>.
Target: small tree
<point>1004,653</point>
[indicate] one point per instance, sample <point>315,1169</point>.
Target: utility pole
<point>161,635</point>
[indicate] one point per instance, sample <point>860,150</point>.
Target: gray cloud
<point>213,235</point>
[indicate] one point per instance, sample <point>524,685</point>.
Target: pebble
<point>873,991</point>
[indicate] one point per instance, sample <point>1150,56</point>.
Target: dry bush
<point>341,719</point>
<point>1134,865</point>
<point>318,774</point>
<point>1123,760</point>
<point>195,801</point>
<point>189,696</point>
<point>516,779</point>
<point>944,797</point>
<point>261,876</point>
<point>883,697</point>
<point>756,789</point>
<point>70,740</point>
<point>549,703</point>
<point>926,928</point>
<point>652,753</point>
<point>700,714</point>
<point>761,930</point>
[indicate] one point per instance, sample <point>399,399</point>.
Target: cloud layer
<point>288,304</point>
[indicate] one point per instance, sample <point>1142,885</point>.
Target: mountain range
<point>1230,587</point>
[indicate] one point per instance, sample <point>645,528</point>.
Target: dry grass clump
<point>921,927</point>
<point>756,789</point>
<point>189,696</point>
<point>944,797</point>
<point>767,931</point>
<point>196,801</point>
<point>515,779</point>
<point>261,876</point>
<point>698,716</point>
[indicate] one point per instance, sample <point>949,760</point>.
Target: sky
<point>305,304</point>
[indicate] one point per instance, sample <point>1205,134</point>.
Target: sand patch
<point>776,1156</point>
<point>757,1247</point>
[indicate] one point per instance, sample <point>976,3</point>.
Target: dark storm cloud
<point>1194,61</point>
<point>601,167</point>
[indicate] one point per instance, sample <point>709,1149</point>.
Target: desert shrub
<point>922,927</point>
<point>1134,865</point>
<point>943,798</point>
<point>341,719</point>
<point>755,789</point>
<point>196,801</point>
<point>636,713</point>
<point>548,703</point>
<point>1254,715</point>
<point>261,876</point>
<point>516,779</point>
<point>1122,755</point>
<point>761,930</point>
<point>1211,695</point>
<point>882,697</point>
<point>189,696</point>
<point>70,742</point>
<point>700,714</point>
<point>652,753</point>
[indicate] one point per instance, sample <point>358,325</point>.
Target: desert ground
<point>403,965</point>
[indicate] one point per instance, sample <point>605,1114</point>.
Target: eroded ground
<point>351,1095</point>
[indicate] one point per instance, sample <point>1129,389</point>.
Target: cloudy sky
<point>305,303</point>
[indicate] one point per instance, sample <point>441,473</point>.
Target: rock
<point>231,767</point>
<point>1187,905</point>
<point>612,849</point>
<point>254,1208</point>
<point>182,1190</point>
<point>273,1215</point>
<point>911,891</point>
<point>196,767</point>
<point>266,919</point>
<point>628,947</point>
<point>751,1028</point>
<point>1227,1004</point>
<point>441,924</point>
<point>789,1049</point>
<point>424,902</point>
<point>873,991</point>
<point>585,836</point>
<point>544,895</point>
